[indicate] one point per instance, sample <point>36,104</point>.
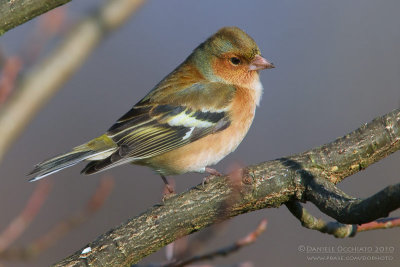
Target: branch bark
<point>265,185</point>
<point>17,12</point>
<point>308,221</point>
<point>333,202</point>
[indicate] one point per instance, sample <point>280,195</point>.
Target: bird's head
<point>231,56</point>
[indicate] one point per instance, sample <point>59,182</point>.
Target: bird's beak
<point>260,63</point>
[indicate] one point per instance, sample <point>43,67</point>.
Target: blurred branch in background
<point>9,73</point>
<point>14,13</point>
<point>245,241</point>
<point>48,75</point>
<point>22,221</point>
<point>47,27</point>
<point>22,94</point>
<point>19,224</point>
<point>186,247</point>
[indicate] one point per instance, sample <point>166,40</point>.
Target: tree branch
<point>332,202</point>
<point>309,221</point>
<point>335,228</point>
<point>268,184</point>
<point>17,12</point>
<point>353,152</point>
<point>379,224</point>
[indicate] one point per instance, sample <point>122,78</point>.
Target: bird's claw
<point>213,173</point>
<point>167,196</point>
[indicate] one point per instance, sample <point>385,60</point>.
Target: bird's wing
<point>157,124</point>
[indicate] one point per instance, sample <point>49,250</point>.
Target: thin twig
<point>247,240</point>
<point>63,227</point>
<point>23,220</point>
<point>379,224</point>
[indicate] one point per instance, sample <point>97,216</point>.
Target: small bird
<point>192,119</point>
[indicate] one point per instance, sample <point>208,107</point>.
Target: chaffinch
<point>189,121</point>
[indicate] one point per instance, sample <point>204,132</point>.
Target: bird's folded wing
<point>159,124</point>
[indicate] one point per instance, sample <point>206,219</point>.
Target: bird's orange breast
<point>210,149</point>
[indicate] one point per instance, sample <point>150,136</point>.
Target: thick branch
<point>353,152</point>
<point>179,216</point>
<point>14,13</point>
<point>269,184</point>
<point>331,201</point>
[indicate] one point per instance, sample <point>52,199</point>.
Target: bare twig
<point>379,224</point>
<point>22,221</point>
<point>186,247</point>
<point>247,240</point>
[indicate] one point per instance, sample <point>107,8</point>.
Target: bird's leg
<point>212,172</point>
<point>167,185</point>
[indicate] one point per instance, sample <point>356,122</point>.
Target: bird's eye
<point>235,60</point>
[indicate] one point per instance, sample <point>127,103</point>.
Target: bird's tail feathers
<point>96,149</point>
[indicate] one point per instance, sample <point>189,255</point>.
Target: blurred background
<point>337,67</point>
